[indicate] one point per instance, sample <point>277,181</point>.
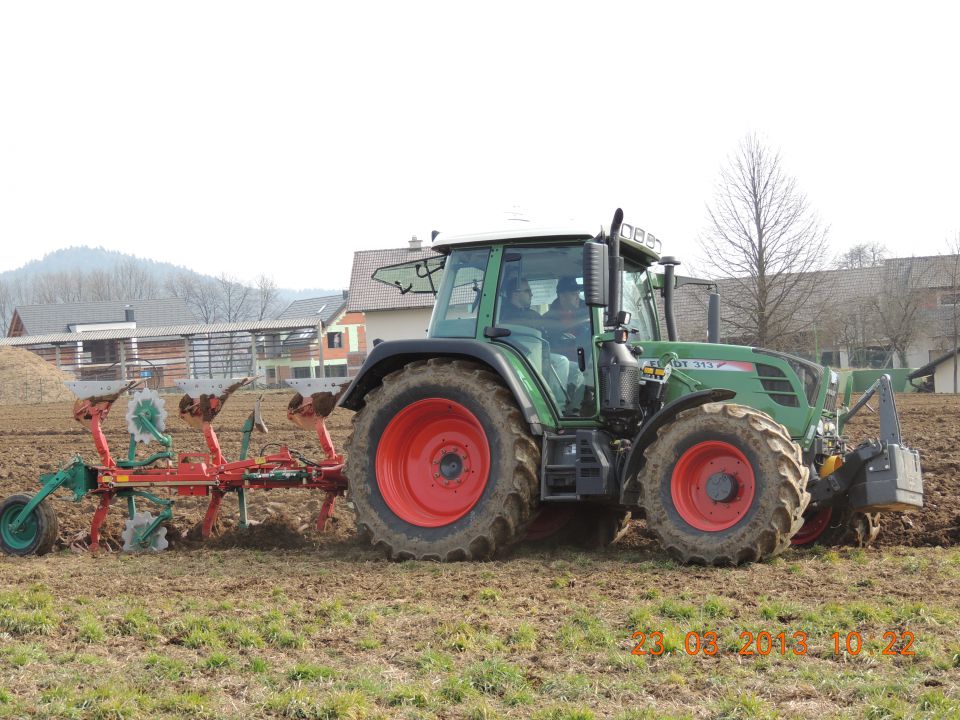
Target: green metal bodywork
<point>698,366</point>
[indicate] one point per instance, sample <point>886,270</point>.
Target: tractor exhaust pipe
<point>669,263</point>
<point>615,269</point>
<point>713,318</point>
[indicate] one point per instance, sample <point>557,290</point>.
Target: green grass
<point>309,671</point>
<point>165,668</point>
<point>419,640</point>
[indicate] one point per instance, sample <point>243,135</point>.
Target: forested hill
<point>85,274</point>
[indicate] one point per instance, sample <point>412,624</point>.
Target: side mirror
<point>596,278</point>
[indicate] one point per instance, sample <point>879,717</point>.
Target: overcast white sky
<point>280,137</point>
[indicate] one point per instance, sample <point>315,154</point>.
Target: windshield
<point>638,300</point>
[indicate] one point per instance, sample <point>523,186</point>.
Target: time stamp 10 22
<point>892,643</point>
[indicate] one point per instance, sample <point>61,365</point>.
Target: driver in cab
<point>562,319</point>
<point>516,309</point>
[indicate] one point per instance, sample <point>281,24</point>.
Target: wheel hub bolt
<point>722,487</point>
<point>451,466</point>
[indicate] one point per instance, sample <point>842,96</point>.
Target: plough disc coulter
<point>28,525</point>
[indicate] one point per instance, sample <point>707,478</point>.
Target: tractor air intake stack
<point>668,281</point>
<point>713,318</point>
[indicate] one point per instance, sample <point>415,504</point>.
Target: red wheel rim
<point>812,527</point>
<point>433,462</point>
<point>712,486</point>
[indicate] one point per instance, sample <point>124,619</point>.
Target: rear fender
<point>386,357</point>
<point>629,494</point>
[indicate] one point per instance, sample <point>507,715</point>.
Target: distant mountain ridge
<point>98,258</point>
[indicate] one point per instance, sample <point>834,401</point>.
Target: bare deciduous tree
<point>201,294</point>
<point>132,280</point>
<point>768,245</point>
<point>234,299</point>
<point>268,297</point>
<point>6,306</point>
<point>899,307</point>
<point>863,255</point>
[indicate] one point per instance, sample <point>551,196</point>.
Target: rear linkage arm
<point>840,481</point>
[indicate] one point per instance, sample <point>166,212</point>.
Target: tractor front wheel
<point>723,484</point>
<point>36,535</point>
<point>441,463</point>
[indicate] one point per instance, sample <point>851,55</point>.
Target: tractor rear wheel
<point>723,484</point>
<point>838,526</point>
<point>441,463</point>
<point>36,535</point>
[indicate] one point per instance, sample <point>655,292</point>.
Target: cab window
<point>458,297</point>
<point>637,298</point>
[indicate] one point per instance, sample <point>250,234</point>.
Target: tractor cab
<point>525,290</point>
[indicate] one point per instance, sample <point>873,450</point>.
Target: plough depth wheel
<point>37,533</point>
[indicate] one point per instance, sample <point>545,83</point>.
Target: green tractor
<point>545,400</point>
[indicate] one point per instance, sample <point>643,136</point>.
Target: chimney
<point>415,244</point>
<point>128,314</point>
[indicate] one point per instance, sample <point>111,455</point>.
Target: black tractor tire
<point>499,516</point>
<point>763,524</point>
<point>43,531</point>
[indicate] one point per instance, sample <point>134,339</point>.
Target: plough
<point>29,526</point>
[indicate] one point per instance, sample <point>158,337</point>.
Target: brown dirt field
<point>324,627</point>
<point>37,438</point>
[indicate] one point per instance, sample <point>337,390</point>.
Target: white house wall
<point>943,376</point>
<point>397,324</point>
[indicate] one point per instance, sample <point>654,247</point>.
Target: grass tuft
<point>744,705</point>
<point>217,661</point>
<point>676,610</point>
<point>584,631</point>
<point>89,629</point>
<point>435,661</point>
<point>165,668</point>
<point>524,637</point>
<point>29,621</point>
<point>495,677</point>
<point>407,696</point>
<point>564,713</point>
<point>309,672</point>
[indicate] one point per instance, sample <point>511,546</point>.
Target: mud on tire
<point>779,480</point>
<point>509,496</point>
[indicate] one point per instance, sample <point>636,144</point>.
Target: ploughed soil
<point>38,438</point>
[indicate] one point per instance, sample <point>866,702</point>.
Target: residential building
<point>389,313</point>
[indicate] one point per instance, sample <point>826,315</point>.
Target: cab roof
<point>520,233</point>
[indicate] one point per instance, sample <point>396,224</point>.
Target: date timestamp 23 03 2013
<point>766,643</point>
